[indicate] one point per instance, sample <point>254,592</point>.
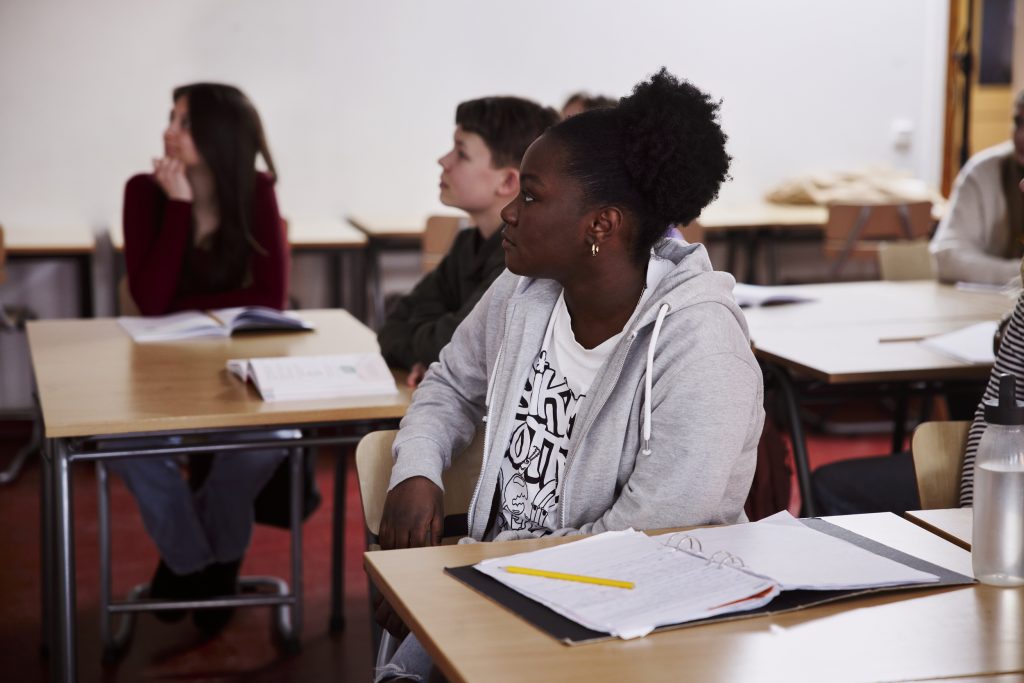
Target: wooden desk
<point>386,234</point>
<point>837,340</point>
<point>95,383</point>
<point>344,247</point>
<point>69,242</point>
<point>956,525</point>
<point>756,226</point>
<point>340,242</point>
<point>914,635</point>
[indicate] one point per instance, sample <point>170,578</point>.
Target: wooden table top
<point>329,233</point>
<point>956,525</point>
<point>303,233</point>
<point>838,338</point>
<point>913,635</point>
<point>390,227</point>
<point>761,215</point>
<point>720,217</point>
<point>94,380</point>
<point>68,239</point>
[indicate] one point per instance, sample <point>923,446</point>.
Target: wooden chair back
<point>437,239</point>
<point>938,451</point>
<point>905,261</point>
<point>856,230</point>
<point>373,468</point>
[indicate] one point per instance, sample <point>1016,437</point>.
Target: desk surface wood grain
<point>94,380</point>
<point>911,635</point>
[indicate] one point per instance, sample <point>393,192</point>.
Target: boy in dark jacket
<point>479,175</point>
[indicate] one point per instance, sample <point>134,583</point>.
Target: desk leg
<point>85,301</point>
<point>337,619</point>
<point>296,523</point>
<point>753,243</point>
<point>334,275</point>
<point>796,433</point>
<point>46,551</point>
<point>65,668</point>
<point>375,314</point>
<point>354,274</point>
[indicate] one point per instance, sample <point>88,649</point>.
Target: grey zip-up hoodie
<point>667,434</point>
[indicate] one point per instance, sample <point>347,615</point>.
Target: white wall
<point>358,97</point>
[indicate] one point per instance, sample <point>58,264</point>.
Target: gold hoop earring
<point>594,249</point>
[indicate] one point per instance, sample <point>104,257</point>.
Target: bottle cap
<point>1005,410</point>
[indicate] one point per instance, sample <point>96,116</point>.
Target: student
<point>1009,359</point>
<point>579,102</point>
<point>981,237</point>
<point>479,175</point>
<point>203,231</point>
<point>610,367</point>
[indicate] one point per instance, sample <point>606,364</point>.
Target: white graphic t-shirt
<point>562,373</point>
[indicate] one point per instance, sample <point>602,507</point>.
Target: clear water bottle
<point>997,548</point>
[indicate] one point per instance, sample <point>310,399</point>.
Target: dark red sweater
<point>155,249</point>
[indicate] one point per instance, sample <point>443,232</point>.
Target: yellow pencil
<point>569,577</point>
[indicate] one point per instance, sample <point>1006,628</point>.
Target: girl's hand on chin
<point>170,174</point>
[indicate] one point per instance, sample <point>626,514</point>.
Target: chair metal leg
<point>18,461</point>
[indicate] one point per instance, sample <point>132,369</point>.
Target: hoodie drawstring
<point>662,312</point>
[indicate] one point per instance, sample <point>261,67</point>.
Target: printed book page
<point>184,325</point>
<point>798,557</point>
<point>314,377</point>
<point>671,586</point>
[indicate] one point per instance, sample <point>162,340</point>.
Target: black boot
<point>166,585</point>
<point>220,579</point>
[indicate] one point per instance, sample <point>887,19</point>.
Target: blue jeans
<point>214,524</point>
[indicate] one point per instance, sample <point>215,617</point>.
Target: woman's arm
<point>154,246</point>
<point>269,270</point>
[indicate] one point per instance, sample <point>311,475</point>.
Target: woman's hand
<point>413,515</point>
<point>416,373</point>
<point>387,618</point>
<point>170,174</point>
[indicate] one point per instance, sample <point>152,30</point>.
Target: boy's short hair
<point>508,125</point>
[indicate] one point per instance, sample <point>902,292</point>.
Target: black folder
<point>569,632</point>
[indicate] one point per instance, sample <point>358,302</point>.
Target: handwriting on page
<point>671,586</point>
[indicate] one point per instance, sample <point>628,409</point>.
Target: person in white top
<point>981,237</point>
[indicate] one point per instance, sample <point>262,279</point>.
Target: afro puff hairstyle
<point>659,155</point>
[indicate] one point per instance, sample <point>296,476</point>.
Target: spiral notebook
<point>687,579</point>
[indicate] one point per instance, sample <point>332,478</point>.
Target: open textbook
<point>776,564</point>
<point>294,378</point>
<point>221,322</point>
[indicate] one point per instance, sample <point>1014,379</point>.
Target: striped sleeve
<point>1010,359</point>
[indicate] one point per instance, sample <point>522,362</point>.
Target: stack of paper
<point>669,587</point>
<point>971,344</point>
<point>694,575</point>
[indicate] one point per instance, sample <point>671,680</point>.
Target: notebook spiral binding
<point>692,545</point>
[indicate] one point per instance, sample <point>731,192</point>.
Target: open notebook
<point>776,564</point>
<point>221,322</point>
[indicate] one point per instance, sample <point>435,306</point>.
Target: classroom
<point>700,324</point>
